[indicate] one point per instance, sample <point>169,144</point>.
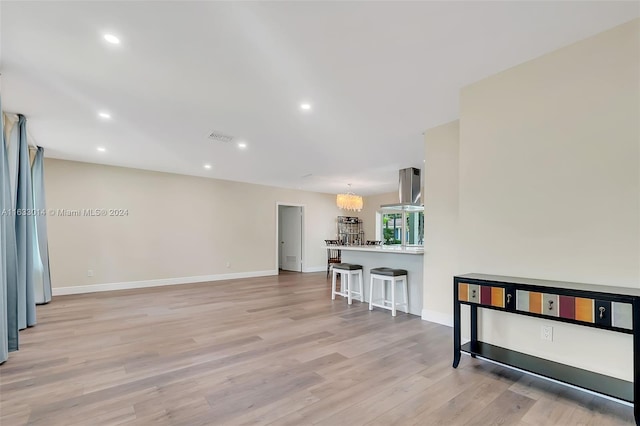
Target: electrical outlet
<point>90,272</point>
<point>546,333</point>
<point>228,264</point>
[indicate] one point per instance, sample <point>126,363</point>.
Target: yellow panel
<point>497,297</point>
<point>584,309</point>
<point>535,302</point>
<point>463,292</point>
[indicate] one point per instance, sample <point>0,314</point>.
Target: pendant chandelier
<point>349,201</point>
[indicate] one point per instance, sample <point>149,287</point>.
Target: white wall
<point>441,221</point>
<point>549,164</point>
<point>549,187</point>
<point>177,226</point>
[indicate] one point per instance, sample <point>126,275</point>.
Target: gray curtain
<point>8,256</point>
<point>4,188</point>
<point>25,231</point>
<point>42,286</point>
<point>24,253</point>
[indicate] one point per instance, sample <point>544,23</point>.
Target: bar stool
<point>347,271</point>
<point>393,276</point>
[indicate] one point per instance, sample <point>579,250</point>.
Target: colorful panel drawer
<point>474,293</point>
<point>497,297</point>
<point>621,315</point>
<point>510,297</point>
<point>550,304</point>
<point>463,292</point>
<point>522,300</point>
<point>535,302</point>
<point>485,295</point>
<point>567,307</point>
<point>584,309</point>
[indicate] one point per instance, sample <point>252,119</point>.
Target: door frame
<point>303,254</point>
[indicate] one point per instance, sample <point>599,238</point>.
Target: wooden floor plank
<point>258,351</point>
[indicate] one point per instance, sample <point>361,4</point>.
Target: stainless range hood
<point>409,192</point>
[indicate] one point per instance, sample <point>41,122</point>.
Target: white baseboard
<point>315,269</point>
<point>437,317</point>
<point>61,291</point>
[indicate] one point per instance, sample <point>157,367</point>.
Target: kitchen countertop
<point>382,249</point>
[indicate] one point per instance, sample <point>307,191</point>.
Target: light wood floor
<point>273,350</point>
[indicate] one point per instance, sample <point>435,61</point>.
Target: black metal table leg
<point>474,329</point>
<point>636,361</point>
<point>456,326</point>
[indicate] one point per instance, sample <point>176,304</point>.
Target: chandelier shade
<point>349,201</point>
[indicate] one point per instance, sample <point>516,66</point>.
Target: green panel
<point>522,300</point>
<point>622,316</point>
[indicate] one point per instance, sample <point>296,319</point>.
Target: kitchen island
<point>408,258</point>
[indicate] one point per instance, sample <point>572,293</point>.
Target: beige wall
<point>441,220</point>
<point>372,204</point>
<point>177,226</point>
<point>549,187</point>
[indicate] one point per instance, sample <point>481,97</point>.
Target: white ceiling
<point>377,74</point>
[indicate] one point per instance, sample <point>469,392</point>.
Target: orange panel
<point>535,302</point>
<point>584,309</point>
<point>463,292</point>
<point>497,297</point>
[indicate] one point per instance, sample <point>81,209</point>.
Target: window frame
<point>403,228</point>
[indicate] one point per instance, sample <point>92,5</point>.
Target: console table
<point>611,308</point>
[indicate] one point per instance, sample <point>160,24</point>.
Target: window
<point>400,227</point>
<point>391,228</point>
<point>414,231</point>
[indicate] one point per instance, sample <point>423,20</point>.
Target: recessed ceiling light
<point>207,166</point>
<point>102,149</point>
<point>305,106</point>
<point>104,114</point>
<point>110,38</point>
<point>242,145</point>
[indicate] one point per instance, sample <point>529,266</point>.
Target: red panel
<point>567,307</point>
<point>485,295</point>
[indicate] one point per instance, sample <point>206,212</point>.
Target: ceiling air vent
<point>220,137</point>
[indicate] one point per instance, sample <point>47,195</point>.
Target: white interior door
<point>290,231</point>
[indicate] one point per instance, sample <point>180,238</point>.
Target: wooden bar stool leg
<point>406,295</point>
<point>361,281</point>
<point>348,286</point>
<point>371,294</point>
<point>384,291</point>
<point>393,297</point>
<point>333,285</point>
